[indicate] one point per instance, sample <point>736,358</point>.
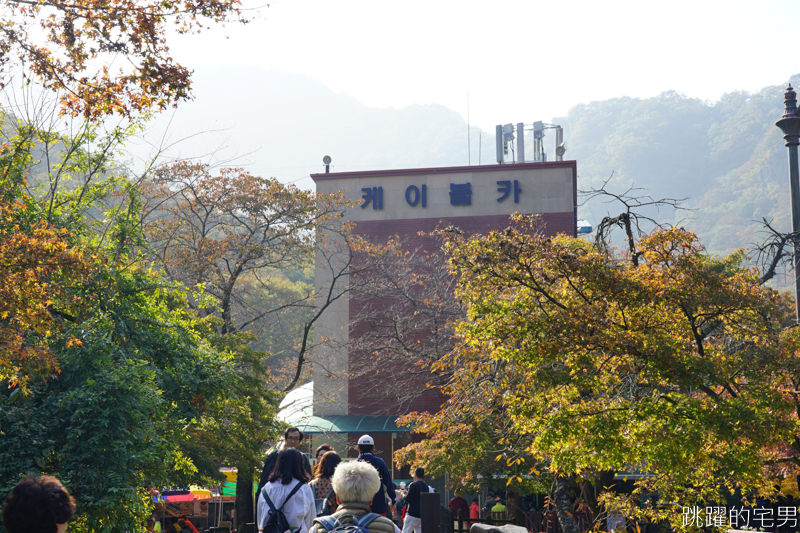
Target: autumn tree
<point>240,238</point>
<point>40,264</point>
<point>674,365</point>
<point>69,48</point>
<point>104,366</point>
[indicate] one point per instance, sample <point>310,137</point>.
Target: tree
<point>40,266</point>
<point>60,44</point>
<point>104,365</point>
<point>238,237</point>
<point>674,365</point>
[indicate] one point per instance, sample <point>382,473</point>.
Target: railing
<point>461,524</point>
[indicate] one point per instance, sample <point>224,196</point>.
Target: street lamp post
<point>790,126</point>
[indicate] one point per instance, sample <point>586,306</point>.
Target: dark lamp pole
<point>790,126</point>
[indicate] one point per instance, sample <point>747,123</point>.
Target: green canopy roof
<point>351,424</point>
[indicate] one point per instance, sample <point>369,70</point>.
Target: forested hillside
<point>727,156</point>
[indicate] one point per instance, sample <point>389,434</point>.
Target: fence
<point>534,521</point>
<point>461,524</point>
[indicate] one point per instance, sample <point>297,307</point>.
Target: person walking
<point>355,484</point>
<point>365,446</point>
<point>188,523</point>
<point>321,450</point>
<point>459,505</point>
<point>292,438</point>
<point>287,489</point>
<point>474,512</point>
<point>413,521</point>
<point>173,525</point>
<point>322,480</point>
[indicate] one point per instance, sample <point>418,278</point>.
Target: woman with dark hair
<point>287,488</point>
<point>38,505</point>
<point>322,450</point>
<point>322,481</point>
<point>318,453</point>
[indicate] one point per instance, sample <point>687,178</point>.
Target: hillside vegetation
<point>727,156</point>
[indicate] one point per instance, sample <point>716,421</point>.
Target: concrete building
<point>476,199</point>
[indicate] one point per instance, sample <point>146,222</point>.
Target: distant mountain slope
<point>727,156</point>
<point>283,124</point>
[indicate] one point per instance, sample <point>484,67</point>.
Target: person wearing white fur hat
<point>355,483</point>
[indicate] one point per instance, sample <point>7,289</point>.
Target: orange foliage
<point>78,35</point>
<point>39,265</point>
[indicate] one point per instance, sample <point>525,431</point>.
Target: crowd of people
<point>292,498</point>
<point>335,493</point>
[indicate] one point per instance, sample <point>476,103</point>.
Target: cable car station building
<point>476,199</point>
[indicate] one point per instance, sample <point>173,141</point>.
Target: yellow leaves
<point>74,342</point>
<point>38,266</point>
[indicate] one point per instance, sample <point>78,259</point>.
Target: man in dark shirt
<point>365,446</point>
<point>413,521</point>
<point>291,439</point>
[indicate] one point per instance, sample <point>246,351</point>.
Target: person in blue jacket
<point>379,505</point>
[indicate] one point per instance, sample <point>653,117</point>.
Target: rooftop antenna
<point>469,148</point>
<point>561,146</point>
<point>327,160</point>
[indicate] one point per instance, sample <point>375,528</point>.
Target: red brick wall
<point>362,399</point>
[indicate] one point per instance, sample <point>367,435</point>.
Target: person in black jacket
<point>292,438</point>
<point>365,446</point>
<point>413,520</point>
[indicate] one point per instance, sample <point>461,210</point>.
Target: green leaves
<point>105,368</point>
<point>587,364</point>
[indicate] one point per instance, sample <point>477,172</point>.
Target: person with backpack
<point>355,483</point>
<point>286,503</point>
<point>292,438</point>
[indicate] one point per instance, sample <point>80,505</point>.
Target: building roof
<point>444,170</point>
<point>352,424</point>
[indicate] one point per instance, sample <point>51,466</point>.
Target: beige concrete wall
<point>545,190</point>
<point>330,359</point>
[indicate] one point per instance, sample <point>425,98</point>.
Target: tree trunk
<point>514,502</point>
<point>563,507</point>
<point>605,479</point>
<point>245,511</point>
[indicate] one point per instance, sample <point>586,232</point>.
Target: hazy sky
<point>519,60</point>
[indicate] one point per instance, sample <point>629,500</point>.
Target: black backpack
<point>324,504</point>
<point>276,521</point>
<point>358,525</point>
